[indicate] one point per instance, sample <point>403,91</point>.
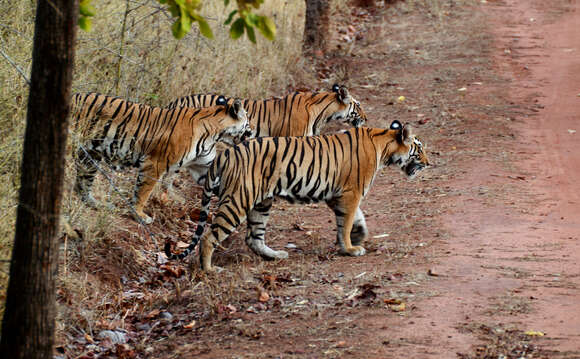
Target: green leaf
<point>230,17</point>
<point>237,29</point>
<point>251,34</point>
<point>85,23</point>
<point>87,9</point>
<point>226,3</point>
<point>267,27</point>
<point>204,28</point>
<point>174,10</point>
<point>177,30</point>
<point>185,22</point>
<point>251,19</point>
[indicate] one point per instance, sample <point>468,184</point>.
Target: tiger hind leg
<point>86,166</point>
<point>223,224</point>
<point>257,221</point>
<point>359,231</point>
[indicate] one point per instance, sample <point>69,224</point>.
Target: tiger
<point>155,140</point>
<point>297,114</point>
<point>338,169</point>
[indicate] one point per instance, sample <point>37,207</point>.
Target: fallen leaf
<point>534,333</point>
<point>571,131</point>
<point>392,301</point>
<point>153,314</point>
<point>463,89</point>
<point>397,308</point>
<point>190,325</point>
<point>171,271</point>
<point>264,296</point>
<point>181,244</point>
<point>401,99</point>
<point>341,344</point>
<point>89,339</point>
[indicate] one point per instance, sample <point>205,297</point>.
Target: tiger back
<point>297,114</point>
<point>337,169</point>
<point>153,139</point>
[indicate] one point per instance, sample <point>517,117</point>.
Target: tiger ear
<point>335,88</point>
<point>236,110</point>
<point>343,95</point>
<point>404,136</point>
<point>221,100</point>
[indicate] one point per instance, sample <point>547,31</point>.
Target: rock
<point>115,336</point>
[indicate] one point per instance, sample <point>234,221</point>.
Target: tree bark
<point>29,317</point>
<point>316,25</point>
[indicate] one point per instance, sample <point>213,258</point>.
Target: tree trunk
<point>29,316</point>
<point>316,25</point>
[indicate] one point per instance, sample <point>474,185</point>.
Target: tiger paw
<point>142,217</point>
<point>355,251</point>
<point>280,254</point>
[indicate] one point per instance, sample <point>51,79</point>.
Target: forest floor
<point>476,258</point>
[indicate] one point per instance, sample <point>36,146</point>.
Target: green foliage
<point>86,12</point>
<point>186,13</point>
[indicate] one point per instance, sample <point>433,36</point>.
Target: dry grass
<point>145,64</point>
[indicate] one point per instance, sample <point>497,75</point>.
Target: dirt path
<point>517,267</point>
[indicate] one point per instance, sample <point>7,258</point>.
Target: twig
<point>121,47</point>
<point>20,71</point>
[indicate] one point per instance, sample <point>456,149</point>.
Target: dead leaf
<point>153,314</point>
<point>264,296</point>
<point>393,301</point>
<point>190,325</point>
<point>397,308</point>
<point>181,244</point>
<point>534,333</point>
<point>89,339</point>
<point>172,271</point>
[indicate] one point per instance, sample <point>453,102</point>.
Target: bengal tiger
<point>297,114</point>
<point>153,139</point>
<point>337,169</point>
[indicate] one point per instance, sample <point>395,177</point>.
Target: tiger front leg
<point>345,210</point>
<point>257,221</point>
<point>146,180</point>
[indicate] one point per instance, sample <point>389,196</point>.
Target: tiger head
<point>237,126</point>
<point>350,109</point>
<point>408,152</point>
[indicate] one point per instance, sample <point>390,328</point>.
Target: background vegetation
<point>132,53</point>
